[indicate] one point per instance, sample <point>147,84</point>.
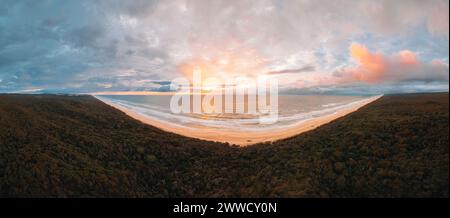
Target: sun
<point>225,64</point>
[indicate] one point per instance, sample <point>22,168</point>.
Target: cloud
<point>437,23</point>
<point>83,42</point>
<point>298,70</point>
<point>404,65</point>
<point>376,67</point>
<point>372,65</point>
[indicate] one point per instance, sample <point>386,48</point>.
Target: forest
<point>77,146</point>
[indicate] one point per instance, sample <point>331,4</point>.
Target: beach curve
<point>237,137</point>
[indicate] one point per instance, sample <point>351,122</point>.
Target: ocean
<point>292,111</point>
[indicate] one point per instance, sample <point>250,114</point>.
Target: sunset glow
<point>309,46</point>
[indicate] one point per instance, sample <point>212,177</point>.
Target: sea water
<point>292,110</point>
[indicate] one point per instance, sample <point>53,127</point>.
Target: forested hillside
<point>75,146</point>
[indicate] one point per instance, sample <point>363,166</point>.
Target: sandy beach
<point>244,138</point>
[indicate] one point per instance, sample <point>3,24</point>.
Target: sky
<point>310,46</point>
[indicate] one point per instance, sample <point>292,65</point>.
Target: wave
<point>330,105</point>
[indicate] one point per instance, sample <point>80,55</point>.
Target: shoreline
<point>241,138</point>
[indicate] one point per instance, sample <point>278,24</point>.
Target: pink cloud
<point>408,58</point>
<point>372,66</point>
<point>377,67</point>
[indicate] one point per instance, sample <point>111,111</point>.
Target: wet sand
<point>244,138</point>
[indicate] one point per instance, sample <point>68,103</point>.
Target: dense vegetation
<point>54,145</point>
